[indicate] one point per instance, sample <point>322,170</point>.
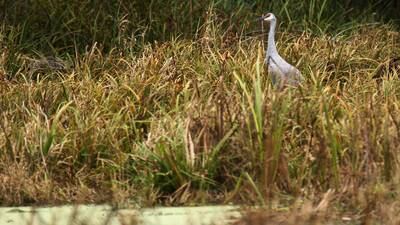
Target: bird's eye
<point>268,15</point>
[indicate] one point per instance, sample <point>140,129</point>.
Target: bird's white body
<point>282,73</point>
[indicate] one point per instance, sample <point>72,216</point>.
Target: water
<point>106,215</point>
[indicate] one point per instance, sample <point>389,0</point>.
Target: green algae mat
<point>106,215</point>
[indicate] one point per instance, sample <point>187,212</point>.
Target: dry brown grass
<point>196,121</point>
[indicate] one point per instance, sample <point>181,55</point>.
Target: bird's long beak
<point>260,18</point>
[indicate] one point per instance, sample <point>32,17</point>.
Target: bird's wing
<point>282,71</point>
<point>280,62</point>
<point>277,75</point>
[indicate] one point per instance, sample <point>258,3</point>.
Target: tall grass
<point>163,112</point>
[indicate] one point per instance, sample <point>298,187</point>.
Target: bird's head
<point>268,17</point>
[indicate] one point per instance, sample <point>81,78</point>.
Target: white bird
<point>282,72</point>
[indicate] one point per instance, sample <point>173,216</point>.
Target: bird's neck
<point>271,39</point>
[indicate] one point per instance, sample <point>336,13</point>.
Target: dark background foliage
<point>56,26</point>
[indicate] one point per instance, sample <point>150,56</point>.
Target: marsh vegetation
<point>170,104</point>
